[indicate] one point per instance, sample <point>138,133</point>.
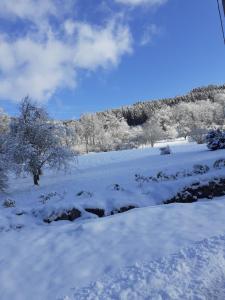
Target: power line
<point>223,3</point>
<point>221,21</point>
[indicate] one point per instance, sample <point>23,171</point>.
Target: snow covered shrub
<point>49,196</point>
<point>200,169</point>
<point>165,150</point>
<point>215,139</point>
<point>219,163</point>
<point>141,179</point>
<point>9,203</point>
<point>37,141</point>
<point>162,176</point>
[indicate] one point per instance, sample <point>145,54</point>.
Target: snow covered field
<point>155,251</point>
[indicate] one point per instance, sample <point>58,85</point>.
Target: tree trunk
<point>39,172</point>
<point>35,179</point>
<point>86,144</point>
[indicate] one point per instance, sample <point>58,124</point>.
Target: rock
<point>96,211</point>
<point>69,215</point>
<point>122,209</point>
<point>8,203</point>
<point>214,188</point>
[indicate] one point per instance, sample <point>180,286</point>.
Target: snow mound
<point>194,273</point>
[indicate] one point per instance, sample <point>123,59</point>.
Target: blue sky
<point>77,56</point>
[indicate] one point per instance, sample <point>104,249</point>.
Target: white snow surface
<point>134,255</point>
<point>197,272</point>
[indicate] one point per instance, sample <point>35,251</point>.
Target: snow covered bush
<point>165,150</point>
<point>219,163</point>
<point>200,169</point>
<point>44,198</point>
<point>197,169</point>
<point>36,141</point>
<point>215,139</point>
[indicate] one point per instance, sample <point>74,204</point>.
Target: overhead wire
<point>221,21</point>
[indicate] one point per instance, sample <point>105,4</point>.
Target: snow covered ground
<point>134,255</point>
<point>197,272</point>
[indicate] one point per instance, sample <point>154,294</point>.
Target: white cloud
<point>101,46</point>
<point>27,9</point>
<point>69,27</point>
<point>142,2</point>
<point>40,62</point>
<point>149,32</point>
<point>28,66</point>
<point>36,69</point>
<point>47,56</point>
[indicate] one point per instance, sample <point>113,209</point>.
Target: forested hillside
<point>191,115</point>
<point>140,112</point>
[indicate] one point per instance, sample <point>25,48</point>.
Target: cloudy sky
<point>77,56</point>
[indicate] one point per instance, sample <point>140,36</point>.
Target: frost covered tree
<point>116,134</point>
<point>152,131</point>
<point>195,119</point>
<point>103,132</point>
<point>5,161</point>
<point>4,121</point>
<point>68,134</point>
<point>36,141</point>
<point>183,118</point>
<point>205,115</point>
<point>90,130</point>
<point>165,119</point>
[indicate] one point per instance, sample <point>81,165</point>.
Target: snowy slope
<point>43,262</point>
<point>197,272</point>
<point>48,261</point>
<point>96,173</point>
